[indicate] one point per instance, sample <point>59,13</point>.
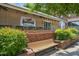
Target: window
<point>27,22</point>
<point>47,25</point>
<point>74,24</point>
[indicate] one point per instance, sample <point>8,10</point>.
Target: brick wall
<point>39,35</point>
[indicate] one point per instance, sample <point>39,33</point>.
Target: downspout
<point>66,22</point>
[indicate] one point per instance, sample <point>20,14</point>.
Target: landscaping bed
<point>15,42</point>
<point>66,37</point>
<point>65,43</point>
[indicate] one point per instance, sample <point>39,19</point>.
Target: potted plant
<point>65,37</point>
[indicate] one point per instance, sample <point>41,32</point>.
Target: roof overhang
<point>26,10</point>
<point>14,7</point>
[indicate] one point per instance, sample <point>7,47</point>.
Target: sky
<point>19,4</point>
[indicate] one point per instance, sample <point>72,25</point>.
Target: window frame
<point>24,17</point>
<point>48,22</point>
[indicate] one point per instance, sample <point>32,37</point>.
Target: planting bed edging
<point>65,43</point>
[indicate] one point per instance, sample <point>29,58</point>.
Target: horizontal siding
<point>12,17</point>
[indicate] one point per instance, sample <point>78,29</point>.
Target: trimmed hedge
<point>12,41</point>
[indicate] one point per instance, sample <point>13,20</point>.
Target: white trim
<point>74,19</point>
<point>34,22</point>
<point>22,17</point>
<point>21,24</point>
<point>47,21</point>
<point>62,24</point>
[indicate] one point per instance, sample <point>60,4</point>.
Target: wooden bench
<point>40,43</point>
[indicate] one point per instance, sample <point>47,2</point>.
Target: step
<point>40,46</point>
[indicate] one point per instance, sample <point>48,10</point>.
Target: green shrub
<point>72,32</point>
<point>69,33</point>
<point>12,41</point>
<point>61,34</point>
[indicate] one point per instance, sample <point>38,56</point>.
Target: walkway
<point>71,51</point>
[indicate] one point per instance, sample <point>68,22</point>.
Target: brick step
<point>41,42</point>
<point>40,47</point>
